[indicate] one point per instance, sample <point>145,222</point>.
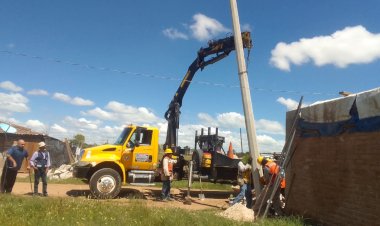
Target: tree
<point>78,140</point>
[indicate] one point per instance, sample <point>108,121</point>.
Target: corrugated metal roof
<point>20,130</point>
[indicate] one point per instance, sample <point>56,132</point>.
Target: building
<point>59,151</point>
<point>334,174</point>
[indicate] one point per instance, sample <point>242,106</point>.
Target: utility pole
<point>241,143</point>
<point>246,97</point>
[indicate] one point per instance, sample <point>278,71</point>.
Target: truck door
<point>139,156</point>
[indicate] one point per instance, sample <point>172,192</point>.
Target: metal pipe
<point>190,178</point>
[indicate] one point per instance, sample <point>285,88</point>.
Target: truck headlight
<point>88,154</point>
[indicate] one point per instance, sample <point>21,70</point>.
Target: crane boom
<point>220,49</point>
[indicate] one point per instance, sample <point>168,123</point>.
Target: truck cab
<point>132,159</point>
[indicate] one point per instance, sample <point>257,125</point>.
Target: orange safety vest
<point>274,170</point>
<point>283,183</point>
<point>170,165</point>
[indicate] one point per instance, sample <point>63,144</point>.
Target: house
<point>59,151</point>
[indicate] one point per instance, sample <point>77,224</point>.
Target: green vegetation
<point>15,210</point>
<point>196,185</point>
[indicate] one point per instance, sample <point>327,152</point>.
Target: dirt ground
<point>213,199</point>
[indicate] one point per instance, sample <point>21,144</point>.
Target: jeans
<point>165,193</point>
<point>40,173</point>
<point>245,191</point>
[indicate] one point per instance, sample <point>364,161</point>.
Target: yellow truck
<point>133,159</point>
<point>134,156</point>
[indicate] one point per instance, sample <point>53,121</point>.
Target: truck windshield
<point>123,136</point>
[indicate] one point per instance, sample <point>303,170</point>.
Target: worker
<point>244,181</point>
<point>15,156</point>
<point>40,161</point>
<point>271,171</point>
<point>167,174</point>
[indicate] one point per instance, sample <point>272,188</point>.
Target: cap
<point>41,144</point>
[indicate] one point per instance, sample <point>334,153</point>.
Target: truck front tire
<point>105,183</point>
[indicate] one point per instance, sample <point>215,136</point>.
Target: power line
<point>138,74</point>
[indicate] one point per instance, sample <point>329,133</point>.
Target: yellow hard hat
<point>260,159</point>
<point>168,151</point>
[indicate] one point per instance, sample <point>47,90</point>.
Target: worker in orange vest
<point>271,171</point>
<point>167,174</point>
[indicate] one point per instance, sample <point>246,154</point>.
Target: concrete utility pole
<point>246,96</point>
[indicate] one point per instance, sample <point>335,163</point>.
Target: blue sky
<point>90,67</point>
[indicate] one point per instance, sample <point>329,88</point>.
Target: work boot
<point>45,194</point>
<point>161,199</point>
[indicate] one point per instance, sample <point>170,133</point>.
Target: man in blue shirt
<point>15,155</point>
<point>40,162</point>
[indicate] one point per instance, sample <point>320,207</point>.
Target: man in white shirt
<point>244,181</point>
<point>167,175</point>
<point>40,162</point>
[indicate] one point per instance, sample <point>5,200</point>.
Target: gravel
<point>238,212</point>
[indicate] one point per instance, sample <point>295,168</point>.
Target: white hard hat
<point>41,144</point>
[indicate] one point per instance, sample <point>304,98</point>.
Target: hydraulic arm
<point>217,50</point>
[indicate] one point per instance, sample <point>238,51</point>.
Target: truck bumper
<point>81,171</point>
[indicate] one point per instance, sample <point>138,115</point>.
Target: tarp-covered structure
<point>334,173</point>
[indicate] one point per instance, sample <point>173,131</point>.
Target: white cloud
<point>62,97</point>
<point>36,125</point>
<point>269,144</point>
<point>74,101</point>
<point>116,111</point>
<point>207,119</point>
<point>173,33</point>
<point>38,92</point>
<point>8,85</point>
<point>231,120</point>
<point>81,123</point>
<point>205,28</point>
<point>58,129</point>
<point>92,130</point>
<point>101,114</point>
<point>13,102</point>
<point>352,45</point>
<point>81,102</point>
<point>11,46</point>
<point>268,126</point>
<point>289,103</point>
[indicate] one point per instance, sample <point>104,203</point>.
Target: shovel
<point>201,196</point>
<point>30,180</point>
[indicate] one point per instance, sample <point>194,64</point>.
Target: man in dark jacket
<point>15,155</point>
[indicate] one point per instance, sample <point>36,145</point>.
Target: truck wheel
<point>105,183</point>
<point>214,174</point>
<point>196,161</point>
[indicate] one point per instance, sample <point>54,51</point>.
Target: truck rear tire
<point>105,183</point>
<point>197,160</point>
